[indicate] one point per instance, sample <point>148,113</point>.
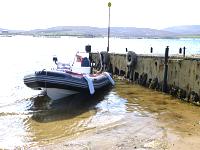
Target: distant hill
<point>86,31</point>
<point>140,32</point>
<point>185,30</point>
<point>121,32</point>
<point>70,30</point>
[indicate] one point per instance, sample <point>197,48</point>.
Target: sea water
<point>28,120</point>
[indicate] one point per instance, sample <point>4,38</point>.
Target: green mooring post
<point>164,89</point>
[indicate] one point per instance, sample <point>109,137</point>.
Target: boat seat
<point>85,62</point>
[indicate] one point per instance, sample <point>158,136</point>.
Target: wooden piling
<point>164,89</point>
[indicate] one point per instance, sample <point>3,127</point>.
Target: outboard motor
<point>55,59</point>
<point>88,48</point>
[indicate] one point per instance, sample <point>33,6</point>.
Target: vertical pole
<point>180,50</point>
<point>164,89</point>
<point>151,50</point>
<point>184,51</point>
<point>108,48</point>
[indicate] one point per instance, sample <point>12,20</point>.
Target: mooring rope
<point>100,58</point>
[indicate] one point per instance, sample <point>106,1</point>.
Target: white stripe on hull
<point>56,94</point>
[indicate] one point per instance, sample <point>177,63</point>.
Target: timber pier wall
<point>183,75</point>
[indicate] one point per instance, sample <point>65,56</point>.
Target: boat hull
<point>56,94</point>
<point>62,84</point>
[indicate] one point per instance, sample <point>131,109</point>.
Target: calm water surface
<point>28,120</point>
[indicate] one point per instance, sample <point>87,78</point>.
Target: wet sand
<point>153,121</point>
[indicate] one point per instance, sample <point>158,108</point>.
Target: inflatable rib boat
<point>64,81</point>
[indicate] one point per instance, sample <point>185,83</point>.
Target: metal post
<point>180,50</point>
<point>108,48</point>
<point>164,89</point>
<point>184,51</point>
<point>151,50</point>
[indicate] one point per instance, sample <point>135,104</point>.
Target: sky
<point>40,14</point>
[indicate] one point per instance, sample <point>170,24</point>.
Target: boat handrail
<point>75,58</point>
<point>101,68</point>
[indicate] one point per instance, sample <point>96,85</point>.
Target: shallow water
<point>28,120</point>
<point>38,121</point>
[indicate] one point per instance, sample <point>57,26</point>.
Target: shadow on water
<point>45,110</point>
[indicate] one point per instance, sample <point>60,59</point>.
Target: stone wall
<point>183,73</point>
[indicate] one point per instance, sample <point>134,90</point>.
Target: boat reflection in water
<point>71,116</point>
<point>46,110</point>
